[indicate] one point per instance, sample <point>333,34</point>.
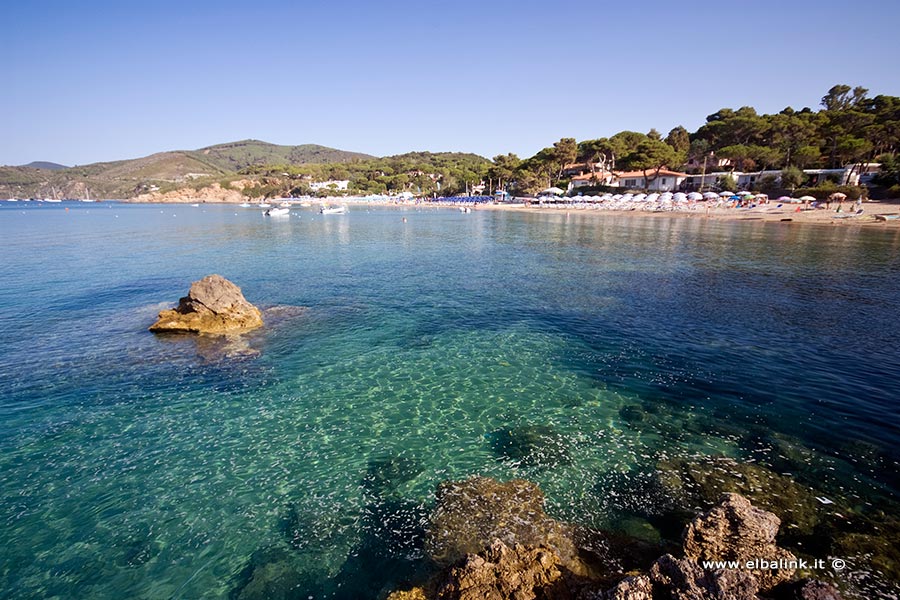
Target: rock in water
<point>213,305</point>
<point>735,530</point>
<point>501,573</point>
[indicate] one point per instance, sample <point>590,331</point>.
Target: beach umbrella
<point>807,199</point>
<point>696,196</point>
<point>653,197</point>
<point>679,197</point>
<point>726,194</point>
<point>762,196</point>
<point>837,197</point>
<point>553,190</point>
<point>745,193</point>
<point>710,195</point>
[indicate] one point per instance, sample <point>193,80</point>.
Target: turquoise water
<point>139,466</point>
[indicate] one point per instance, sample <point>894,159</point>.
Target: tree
<point>791,177</point>
<point>503,169</point>
<point>680,140</point>
<point>651,155</point>
<point>653,134</point>
<point>565,151</point>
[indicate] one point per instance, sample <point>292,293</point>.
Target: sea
<point>406,347</point>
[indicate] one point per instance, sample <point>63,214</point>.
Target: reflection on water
<point>600,358</point>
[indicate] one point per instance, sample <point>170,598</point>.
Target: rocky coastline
<point>485,539</point>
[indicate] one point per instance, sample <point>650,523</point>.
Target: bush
<point>821,192</point>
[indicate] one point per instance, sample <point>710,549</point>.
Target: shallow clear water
<point>139,466</point>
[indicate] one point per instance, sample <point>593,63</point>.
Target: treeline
<point>423,173</point>
<point>850,128</point>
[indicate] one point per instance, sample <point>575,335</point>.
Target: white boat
<point>246,205</point>
<point>285,204</point>
<point>465,209</point>
<point>277,212</point>
<point>87,198</point>
<point>337,210</point>
<point>53,200</point>
<point>264,205</point>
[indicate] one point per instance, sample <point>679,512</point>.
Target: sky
<point>95,81</point>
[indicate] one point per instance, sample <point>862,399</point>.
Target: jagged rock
<point>808,589</point>
<point>683,579</point>
<point>470,514</point>
<point>702,482</point>
<point>504,573</point>
<point>213,305</point>
<point>636,587</point>
<point>737,531</point>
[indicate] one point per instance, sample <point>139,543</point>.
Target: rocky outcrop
<point>188,195</point>
<point>213,305</point>
<point>702,482</point>
<point>502,573</point>
<point>683,579</point>
<point>528,555</point>
<point>469,515</point>
<point>737,531</point>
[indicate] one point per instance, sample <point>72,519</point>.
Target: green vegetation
<point>850,129</point>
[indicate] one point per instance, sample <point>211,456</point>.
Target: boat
<point>277,212</point>
<point>465,209</point>
<point>87,193</point>
<point>264,205</point>
<point>285,204</point>
<point>246,205</point>
<point>337,210</point>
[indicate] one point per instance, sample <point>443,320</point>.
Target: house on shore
<point>664,181</point>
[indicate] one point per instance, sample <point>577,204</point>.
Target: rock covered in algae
<point>213,305</point>
<point>702,483</point>
<point>469,515</point>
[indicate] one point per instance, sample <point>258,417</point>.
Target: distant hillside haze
<point>41,164</point>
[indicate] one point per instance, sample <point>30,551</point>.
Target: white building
<point>332,184</point>
<point>589,179</point>
<point>664,181</point>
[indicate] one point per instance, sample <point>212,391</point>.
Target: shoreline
<point>788,214</point>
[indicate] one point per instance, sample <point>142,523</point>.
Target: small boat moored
<point>277,212</point>
<point>336,210</point>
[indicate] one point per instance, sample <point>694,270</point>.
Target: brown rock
<point>737,531</point>
<point>469,515</point>
<point>637,587</point>
<point>213,305</point>
<point>416,593</point>
<point>686,580</point>
<point>504,573</point>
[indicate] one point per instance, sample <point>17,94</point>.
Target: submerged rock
<point>702,483</point>
<point>469,515</point>
<point>530,445</point>
<point>213,305</point>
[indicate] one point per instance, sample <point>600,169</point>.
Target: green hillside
<point>235,156</point>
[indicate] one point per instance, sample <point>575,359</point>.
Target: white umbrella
<point>726,194</point>
<point>806,199</point>
<point>710,195</point>
<point>695,196</point>
<point>745,193</point>
<point>679,197</point>
<point>553,190</point>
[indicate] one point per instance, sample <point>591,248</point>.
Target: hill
<point>41,164</point>
<point>163,170</point>
<point>235,156</point>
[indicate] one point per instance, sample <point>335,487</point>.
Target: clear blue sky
<point>91,81</point>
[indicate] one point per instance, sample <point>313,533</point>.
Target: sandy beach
<point>787,213</point>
